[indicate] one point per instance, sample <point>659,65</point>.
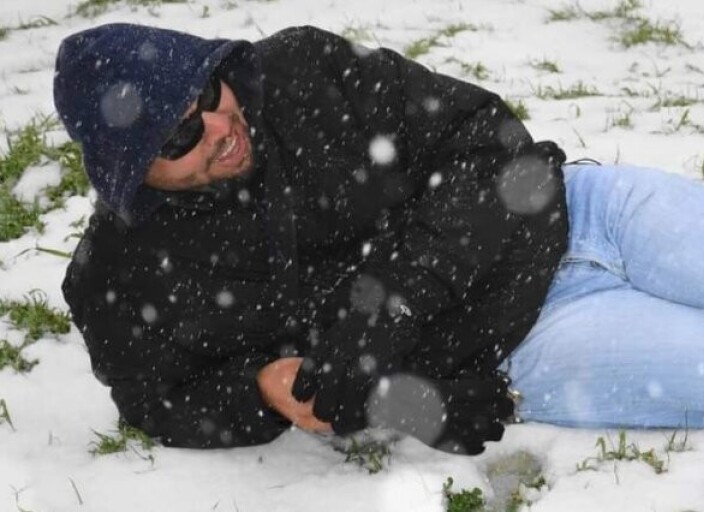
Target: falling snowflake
<point>149,313</point>
<point>431,104</point>
<point>382,150</point>
<point>225,299</point>
<point>409,404</point>
<point>435,180</point>
<point>655,389</point>
<point>526,185</point>
<point>121,105</point>
<point>366,249</point>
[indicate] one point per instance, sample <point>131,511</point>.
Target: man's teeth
<point>229,149</point>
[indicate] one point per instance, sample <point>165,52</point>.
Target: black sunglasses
<point>189,131</point>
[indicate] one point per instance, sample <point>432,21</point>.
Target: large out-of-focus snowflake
<point>382,150</point>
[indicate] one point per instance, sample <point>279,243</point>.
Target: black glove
<point>475,409</point>
<point>347,360</point>
<point>457,416</point>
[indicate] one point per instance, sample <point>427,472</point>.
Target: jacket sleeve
<point>171,388</point>
<point>483,190</point>
<point>214,406</point>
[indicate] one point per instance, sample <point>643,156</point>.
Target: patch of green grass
<point>578,90</point>
<point>4,32</point>
<point>25,148</point>
<point>420,47</point>
<point>623,119</point>
<point>565,13</point>
<point>456,28</point>
<point>16,217</point>
<point>119,442</point>
<point>371,454</point>
<point>74,180</point>
<point>674,101</point>
<point>462,500</point>
<point>11,356</point>
<point>546,65</point>
<point>35,316</point>
<point>625,452</point>
<point>158,2</point>
<point>423,46</point>
<point>477,70</point>
<point>518,497</point>
<point>635,29</point>
<point>357,33</point>
<point>645,31</point>
<point>519,109</point>
<point>37,22</point>
<point>28,146</point>
<point>5,414</point>
<point>93,8</point>
<point>625,10</point>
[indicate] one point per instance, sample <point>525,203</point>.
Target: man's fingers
<point>327,396</point>
<point>311,423</point>
<point>305,385</point>
<point>352,415</point>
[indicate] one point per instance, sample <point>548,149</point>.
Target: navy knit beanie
<point>120,91</point>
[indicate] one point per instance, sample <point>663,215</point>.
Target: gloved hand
<point>475,409</point>
<point>347,360</point>
<point>457,416</point>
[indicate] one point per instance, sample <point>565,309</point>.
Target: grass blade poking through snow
<point>5,414</point>
<point>121,440</point>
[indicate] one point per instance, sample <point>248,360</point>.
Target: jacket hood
<point>120,91</point>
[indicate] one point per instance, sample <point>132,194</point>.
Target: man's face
<point>224,151</point>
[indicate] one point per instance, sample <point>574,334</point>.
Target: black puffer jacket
<point>367,164</point>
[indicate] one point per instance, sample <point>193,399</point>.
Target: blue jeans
<point>620,339</point>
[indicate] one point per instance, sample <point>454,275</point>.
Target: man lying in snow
<point>302,230</point>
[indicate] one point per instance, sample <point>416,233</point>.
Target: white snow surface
<point>45,464</point>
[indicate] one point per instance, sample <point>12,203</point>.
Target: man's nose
<point>217,125</point>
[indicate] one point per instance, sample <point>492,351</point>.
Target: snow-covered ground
<point>507,46</point>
